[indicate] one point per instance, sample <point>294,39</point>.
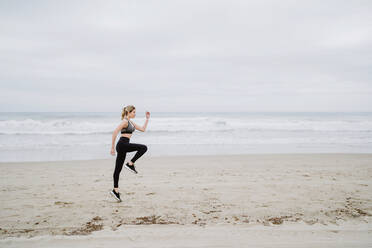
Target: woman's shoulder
<point>124,122</point>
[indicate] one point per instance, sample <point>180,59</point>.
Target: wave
<point>188,124</point>
<point>176,132</point>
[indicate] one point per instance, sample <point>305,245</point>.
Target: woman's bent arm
<point>116,131</point>
<point>143,128</point>
<point>145,125</point>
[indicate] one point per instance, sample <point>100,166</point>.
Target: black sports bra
<point>129,129</point>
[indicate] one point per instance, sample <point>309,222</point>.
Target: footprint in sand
<point>60,203</point>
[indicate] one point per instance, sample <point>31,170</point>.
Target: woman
<point>127,127</point>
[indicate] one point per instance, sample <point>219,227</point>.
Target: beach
<point>266,200</point>
<point>249,123</point>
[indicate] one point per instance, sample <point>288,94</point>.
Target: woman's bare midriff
<point>126,135</point>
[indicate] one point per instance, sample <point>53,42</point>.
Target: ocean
<point>44,136</point>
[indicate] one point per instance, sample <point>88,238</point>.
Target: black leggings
<point>122,147</point>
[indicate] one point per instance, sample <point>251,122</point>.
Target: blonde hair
<point>127,110</point>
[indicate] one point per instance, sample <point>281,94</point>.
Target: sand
<point>265,200</point>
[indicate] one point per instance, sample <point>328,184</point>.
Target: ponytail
<point>124,113</point>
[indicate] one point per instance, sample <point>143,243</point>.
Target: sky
<point>186,56</point>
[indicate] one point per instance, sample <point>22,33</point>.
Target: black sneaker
<point>131,168</point>
<point>115,195</point>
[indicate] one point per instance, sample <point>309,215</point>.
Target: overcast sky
<point>186,55</point>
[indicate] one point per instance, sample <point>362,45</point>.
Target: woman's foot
<point>131,168</point>
<point>116,195</point>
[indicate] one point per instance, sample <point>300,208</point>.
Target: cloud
<point>178,55</point>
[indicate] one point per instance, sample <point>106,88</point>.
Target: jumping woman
<point>126,127</point>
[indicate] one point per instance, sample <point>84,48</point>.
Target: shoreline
<point>195,155</point>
